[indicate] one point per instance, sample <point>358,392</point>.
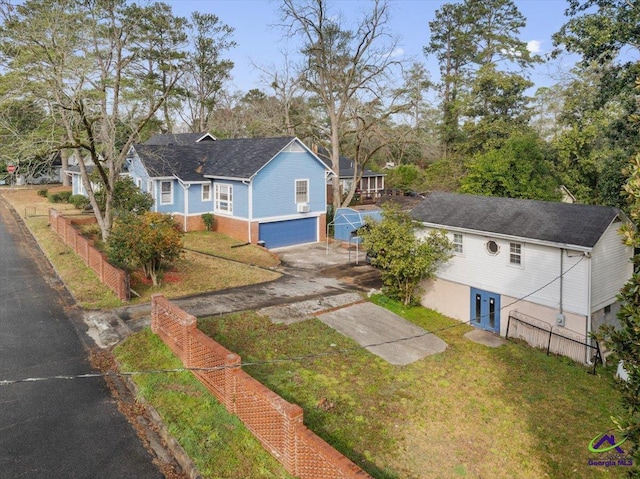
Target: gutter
<point>519,239</point>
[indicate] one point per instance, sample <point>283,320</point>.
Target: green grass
<point>218,443</point>
<point>79,279</point>
<point>224,246</point>
<point>471,411</point>
<point>192,274</point>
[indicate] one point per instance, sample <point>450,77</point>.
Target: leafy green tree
<point>497,108</point>
<point>624,341</point>
<point>592,139</point>
<point>406,178</point>
<point>128,198</point>
<point>404,259</point>
<point>519,169</point>
<point>597,127</point>
<point>477,44</point>
<point>451,42</point>
<point>151,241</point>
<point>206,70</point>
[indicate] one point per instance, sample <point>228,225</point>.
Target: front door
<point>485,310</point>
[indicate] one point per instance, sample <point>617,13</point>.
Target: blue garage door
<point>287,233</point>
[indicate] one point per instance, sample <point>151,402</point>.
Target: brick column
<point>293,416</point>
<point>231,369</point>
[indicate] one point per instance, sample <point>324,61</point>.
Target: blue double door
<point>485,310</point>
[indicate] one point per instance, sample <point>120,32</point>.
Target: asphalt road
<point>56,428</point>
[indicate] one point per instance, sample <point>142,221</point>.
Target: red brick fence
<point>113,277</point>
<point>276,423</point>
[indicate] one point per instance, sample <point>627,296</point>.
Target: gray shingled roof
<point>563,223</point>
<point>236,158</point>
<point>178,138</point>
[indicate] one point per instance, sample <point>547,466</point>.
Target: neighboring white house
<point>561,263</point>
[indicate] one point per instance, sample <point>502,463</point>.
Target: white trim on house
<point>205,192</point>
<point>223,198</point>
<point>166,197</point>
<point>518,239</point>
<point>301,191</point>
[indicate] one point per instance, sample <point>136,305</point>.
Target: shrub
<point>43,192</point>
<point>150,241</point>
<point>79,201</point>
<point>208,219</point>
<point>62,197</point>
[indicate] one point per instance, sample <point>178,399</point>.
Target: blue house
<point>270,190</point>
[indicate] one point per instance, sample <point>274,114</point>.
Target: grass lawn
<point>192,274</point>
<point>471,411</point>
<point>224,246</point>
<point>219,444</point>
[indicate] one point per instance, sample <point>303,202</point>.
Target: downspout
<point>156,200</point>
<point>561,276</point>
<point>588,338</point>
<point>250,195</point>
<point>185,187</point>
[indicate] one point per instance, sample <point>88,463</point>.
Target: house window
<point>515,253</point>
<point>206,192</point>
<point>139,183</point>
<point>224,198</point>
<point>166,192</point>
<point>457,242</point>
<point>492,247</point>
<point>302,191</point>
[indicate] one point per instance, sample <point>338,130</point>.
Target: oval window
<point>492,247</point>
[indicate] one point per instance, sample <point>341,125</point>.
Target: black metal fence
<point>542,335</point>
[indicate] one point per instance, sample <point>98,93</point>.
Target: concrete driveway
<point>328,282</point>
<point>380,331</point>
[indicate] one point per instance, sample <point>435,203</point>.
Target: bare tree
<point>286,84</point>
<point>341,64</point>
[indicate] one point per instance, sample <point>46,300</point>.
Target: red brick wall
<point>114,278</point>
<point>233,227</point>
<point>276,423</point>
<point>194,223</point>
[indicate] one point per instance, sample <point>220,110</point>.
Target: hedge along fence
<point>114,278</point>
<point>276,423</point>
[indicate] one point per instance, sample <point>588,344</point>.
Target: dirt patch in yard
<point>362,276</point>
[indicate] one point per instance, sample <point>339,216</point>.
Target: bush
<point>43,192</point>
<point>208,219</point>
<point>79,201</point>
<point>62,197</point>
<point>151,241</point>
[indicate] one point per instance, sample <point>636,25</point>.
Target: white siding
<point>537,278</point>
<point>611,267</point>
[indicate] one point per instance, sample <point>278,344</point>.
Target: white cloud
<point>534,46</point>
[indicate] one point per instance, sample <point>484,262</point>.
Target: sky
<point>261,42</point>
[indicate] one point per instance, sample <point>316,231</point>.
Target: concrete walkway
<point>384,333</point>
